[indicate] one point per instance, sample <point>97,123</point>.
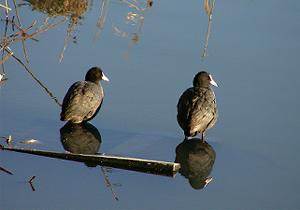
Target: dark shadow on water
<point>196,159</point>
<point>81,138</point>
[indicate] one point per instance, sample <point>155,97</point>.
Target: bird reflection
<point>83,138</point>
<point>196,158</point>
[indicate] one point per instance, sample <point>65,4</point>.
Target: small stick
<point>70,31</point>
<point>31,183</point>
<point>102,17</point>
<point>5,7</point>
<point>6,57</point>
<point>7,139</point>
<point>209,11</point>
<point>5,170</point>
<point>36,79</point>
<point>23,41</point>
<point>108,184</point>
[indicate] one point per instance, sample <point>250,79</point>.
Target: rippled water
<point>252,53</point>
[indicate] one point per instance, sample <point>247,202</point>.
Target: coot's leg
<point>202,136</point>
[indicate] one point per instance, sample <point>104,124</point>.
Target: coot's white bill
<point>104,77</point>
<point>212,81</point>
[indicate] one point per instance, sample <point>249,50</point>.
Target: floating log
<point>133,164</point>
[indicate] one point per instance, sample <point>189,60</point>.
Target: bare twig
<point>209,10</point>
<point>6,57</point>
<point>5,7</point>
<point>31,183</point>
<point>108,184</point>
<point>66,41</point>
<point>36,79</point>
<point>5,32</point>
<point>23,41</point>
<point>5,170</point>
<point>23,33</point>
<point>70,31</point>
<point>102,17</point>
<point>204,54</point>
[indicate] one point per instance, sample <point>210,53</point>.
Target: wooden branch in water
<point>133,164</point>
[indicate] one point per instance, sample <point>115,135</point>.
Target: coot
<point>197,107</point>
<point>84,98</point>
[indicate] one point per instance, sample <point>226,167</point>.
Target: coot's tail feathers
<point>188,133</point>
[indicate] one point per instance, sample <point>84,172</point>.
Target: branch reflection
<point>84,138</point>
<point>209,6</point>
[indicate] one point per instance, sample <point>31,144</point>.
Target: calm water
<point>253,54</point>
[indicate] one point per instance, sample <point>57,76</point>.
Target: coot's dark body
<point>197,108</point>
<point>84,98</point>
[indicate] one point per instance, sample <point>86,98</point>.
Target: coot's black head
<point>203,79</point>
<point>95,74</point>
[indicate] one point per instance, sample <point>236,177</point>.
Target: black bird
<point>197,107</point>
<point>84,98</point>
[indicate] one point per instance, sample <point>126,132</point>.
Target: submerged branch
<point>108,184</point>
<point>133,164</point>
<point>5,170</point>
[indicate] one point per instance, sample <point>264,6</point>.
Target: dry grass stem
<point>5,7</point>
<point>103,12</point>
<point>23,41</point>
<point>6,57</point>
<point>208,7</point>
